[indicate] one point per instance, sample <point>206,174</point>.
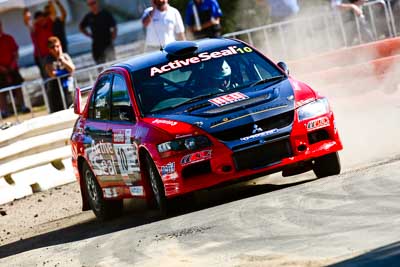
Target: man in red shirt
<point>9,71</point>
<point>41,29</point>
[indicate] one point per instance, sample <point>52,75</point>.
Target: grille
<point>316,136</point>
<point>195,169</point>
<point>262,155</point>
<point>278,121</point>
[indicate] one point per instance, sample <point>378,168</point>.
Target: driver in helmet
<point>220,75</point>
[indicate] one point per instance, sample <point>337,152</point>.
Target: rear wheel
<point>103,209</point>
<point>327,165</point>
<point>159,200</point>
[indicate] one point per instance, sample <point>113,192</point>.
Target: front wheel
<point>159,200</point>
<point>103,209</point>
<point>327,165</point>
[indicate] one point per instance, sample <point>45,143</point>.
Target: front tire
<point>159,200</point>
<point>103,209</point>
<point>327,165</point>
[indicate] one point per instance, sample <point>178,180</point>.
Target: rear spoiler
<point>78,108</point>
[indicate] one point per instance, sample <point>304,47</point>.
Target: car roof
<point>153,58</point>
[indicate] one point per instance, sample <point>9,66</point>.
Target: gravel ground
<point>38,213</point>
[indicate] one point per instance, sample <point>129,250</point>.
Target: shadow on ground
<point>137,216</point>
<point>386,256</point>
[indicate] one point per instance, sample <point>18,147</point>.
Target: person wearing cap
<point>58,64</point>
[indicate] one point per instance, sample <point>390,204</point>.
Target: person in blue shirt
<point>203,18</point>
<point>281,10</point>
<point>58,64</point>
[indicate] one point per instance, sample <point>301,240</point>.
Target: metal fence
<point>285,40</point>
<point>81,78</point>
<point>327,31</point>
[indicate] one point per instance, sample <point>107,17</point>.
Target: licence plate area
<point>263,154</point>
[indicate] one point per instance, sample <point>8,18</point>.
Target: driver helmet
<point>221,74</point>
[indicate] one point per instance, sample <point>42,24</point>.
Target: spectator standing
<point>281,10</point>
<point>58,21</point>
<point>354,9</point>
<point>163,24</point>
<point>203,18</point>
<point>103,31</point>
<point>41,28</point>
<point>9,72</point>
<point>58,64</point>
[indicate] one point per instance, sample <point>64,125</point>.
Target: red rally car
<point>192,116</point>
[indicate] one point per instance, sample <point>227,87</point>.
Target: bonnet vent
<point>181,48</point>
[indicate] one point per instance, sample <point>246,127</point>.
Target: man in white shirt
<point>163,25</point>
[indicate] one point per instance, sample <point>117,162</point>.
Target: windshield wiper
<point>275,78</point>
<point>197,98</point>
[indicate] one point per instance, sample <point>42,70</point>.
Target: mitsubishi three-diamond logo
<point>256,129</point>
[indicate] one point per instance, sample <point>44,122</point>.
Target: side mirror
<point>284,67</point>
<point>78,101</point>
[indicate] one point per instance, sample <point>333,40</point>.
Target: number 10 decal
<point>127,158</point>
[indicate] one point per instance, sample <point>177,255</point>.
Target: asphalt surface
<point>343,220</point>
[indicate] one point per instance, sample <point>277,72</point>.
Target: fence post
<point>249,36</point>
<point>391,18</point>
<point>282,39</point>
<point>46,99</point>
<point>358,29</point>
<point>13,104</point>
<point>327,27</point>
<point>61,92</point>
<point>372,16</point>
<point>26,97</point>
<point>268,45</point>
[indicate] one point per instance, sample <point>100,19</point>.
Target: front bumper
<point>220,164</point>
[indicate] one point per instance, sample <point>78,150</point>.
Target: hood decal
<point>228,99</point>
<point>273,94</point>
<point>265,109</point>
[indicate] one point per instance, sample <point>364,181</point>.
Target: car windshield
<point>185,81</point>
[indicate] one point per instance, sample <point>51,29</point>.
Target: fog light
<point>302,148</point>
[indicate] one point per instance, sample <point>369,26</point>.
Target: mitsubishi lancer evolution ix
<point>194,115</point>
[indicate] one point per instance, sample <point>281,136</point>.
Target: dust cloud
<point>366,104</point>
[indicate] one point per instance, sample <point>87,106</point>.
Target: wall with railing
<point>327,31</point>
<point>288,40</point>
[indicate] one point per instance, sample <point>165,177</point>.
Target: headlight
<point>313,109</point>
<point>189,143</point>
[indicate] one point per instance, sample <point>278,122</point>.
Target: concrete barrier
<point>35,145</point>
<point>35,155</point>
<point>35,180</point>
<point>38,126</point>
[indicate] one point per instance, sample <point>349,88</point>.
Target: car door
<point>98,134</point>
<point>123,125</point>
